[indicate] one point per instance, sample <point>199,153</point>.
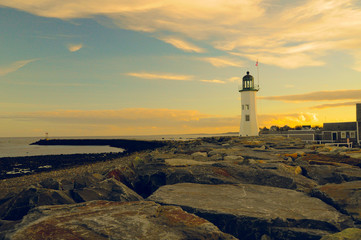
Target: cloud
<point>317,96</point>
<point>13,67</point>
<point>289,35</point>
<point>290,119</point>
<point>115,115</point>
<point>222,62</point>
<point>165,76</point>
<point>129,121</point>
<point>181,44</point>
<point>332,105</point>
<point>234,79</point>
<point>74,47</point>
<point>214,81</point>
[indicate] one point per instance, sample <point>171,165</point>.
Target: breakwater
<point>129,145</point>
<point>18,166</point>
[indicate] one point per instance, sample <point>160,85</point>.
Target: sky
<point>141,67</point>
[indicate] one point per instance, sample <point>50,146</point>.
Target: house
<point>339,132</point>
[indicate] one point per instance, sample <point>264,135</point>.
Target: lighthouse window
<point>247,106</point>
<point>242,107</point>
<point>247,118</point>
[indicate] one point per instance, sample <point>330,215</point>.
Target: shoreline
<point>27,165</point>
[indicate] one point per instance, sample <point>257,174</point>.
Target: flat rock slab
<point>344,196</point>
<point>250,211</point>
<point>113,220</point>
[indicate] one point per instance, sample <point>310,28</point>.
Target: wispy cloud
<point>234,79</point>
<point>74,47</point>
<point>125,121</point>
<point>317,96</point>
<point>165,76</point>
<point>292,35</point>
<point>13,67</point>
<point>214,81</point>
<point>332,105</point>
<point>183,45</point>
<point>222,62</point>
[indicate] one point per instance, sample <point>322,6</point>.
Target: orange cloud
<point>132,121</point>
<point>223,62</point>
<point>292,35</point>
<point>74,47</point>
<point>332,105</point>
<point>318,96</point>
<point>292,119</point>
<point>214,81</point>
<point>165,76</point>
<point>181,44</point>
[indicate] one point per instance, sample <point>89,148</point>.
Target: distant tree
<point>298,127</point>
<point>274,128</point>
<point>285,128</point>
<point>264,129</point>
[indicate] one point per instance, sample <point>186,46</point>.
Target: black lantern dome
<point>248,83</point>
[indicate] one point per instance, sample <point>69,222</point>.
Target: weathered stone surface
<point>250,211</point>
<point>347,234</point>
<point>332,174</point>
<point>345,196</point>
<point>182,162</point>
<point>19,205</point>
<point>113,220</point>
<point>149,177</point>
<point>109,189</point>
<point>50,183</point>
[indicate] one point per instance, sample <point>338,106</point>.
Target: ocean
<point>20,146</point>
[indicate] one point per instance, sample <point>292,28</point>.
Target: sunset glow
<point>91,68</point>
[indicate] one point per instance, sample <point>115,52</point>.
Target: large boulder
<point>109,189</point>
<point>20,204</point>
<point>113,220</point>
<point>15,206</point>
<point>347,234</point>
<point>324,174</point>
<point>149,177</point>
<point>251,211</point>
<point>345,196</point>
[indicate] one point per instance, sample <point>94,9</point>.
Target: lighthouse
<point>249,124</point>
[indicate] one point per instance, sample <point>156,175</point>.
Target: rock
<point>18,206</point>
<point>250,211</point>
<point>150,177</point>
<point>345,197</point>
<point>50,184</point>
<point>82,181</point>
<point>331,174</point>
<point>233,158</point>
<point>113,220</point>
<point>199,155</point>
<point>66,185</point>
<point>347,234</point>
<point>181,162</point>
<point>109,189</point>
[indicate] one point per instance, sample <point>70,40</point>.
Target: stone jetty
<point>262,188</point>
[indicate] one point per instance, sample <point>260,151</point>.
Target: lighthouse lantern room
<point>248,90</point>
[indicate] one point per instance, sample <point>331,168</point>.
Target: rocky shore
<point>18,166</point>
<point>262,188</point>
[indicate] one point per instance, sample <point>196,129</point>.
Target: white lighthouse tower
<point>249,124</point>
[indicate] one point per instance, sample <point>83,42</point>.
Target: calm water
<point>16,147</point>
